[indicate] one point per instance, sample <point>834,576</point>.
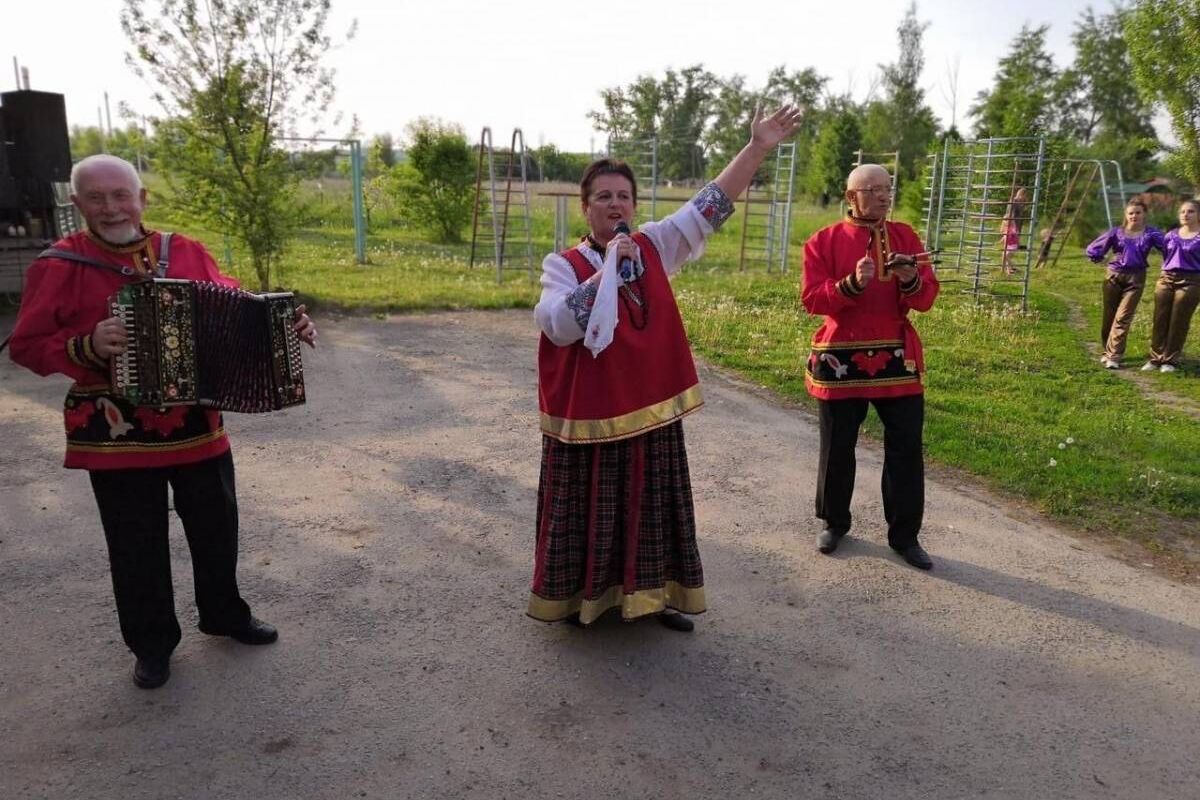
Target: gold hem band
<point>638,604</point>
<point>635,423</point>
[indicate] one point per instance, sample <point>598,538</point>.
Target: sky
<point>540,64</point>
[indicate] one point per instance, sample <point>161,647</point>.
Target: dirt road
<point>387,531</point>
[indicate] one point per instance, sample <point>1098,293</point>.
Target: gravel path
<point>387,531</point>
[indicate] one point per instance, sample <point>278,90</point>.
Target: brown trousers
<point>1121,293</point>
<point>1175,298</point>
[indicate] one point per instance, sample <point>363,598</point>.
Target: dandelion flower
<point>1062,445</point>
<point>1053,463</point>
<point>1070,440</point>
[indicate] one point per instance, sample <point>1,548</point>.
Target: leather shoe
<point>676,622</point>
<point>828,539</point>
<point>255,631</point>
<point>151,673</point>
<point>916,556</point>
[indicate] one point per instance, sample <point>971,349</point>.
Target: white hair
<point>103,159</point>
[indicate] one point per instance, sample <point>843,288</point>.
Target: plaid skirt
<point>616,529</point>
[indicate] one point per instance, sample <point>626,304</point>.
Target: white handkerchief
<point>603,319</point>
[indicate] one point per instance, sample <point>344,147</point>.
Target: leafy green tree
<point>129,143</point>
<point>1103,109</point>
<point>555,165</point>
<point>733,107</point>
<point>802,88</point>
<point>381,154</point>
<point>676,110</point>
<point>901,121</point>
<point>86,140</point>
<point>1164,49</point>
<point>435,187</point>
<point>232,77</point>
<point>1021,100</point>
<point>840,135</point>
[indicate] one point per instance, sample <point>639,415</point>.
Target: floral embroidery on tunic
<point>713,205</point>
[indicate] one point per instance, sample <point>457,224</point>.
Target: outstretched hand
<point>766,132</point>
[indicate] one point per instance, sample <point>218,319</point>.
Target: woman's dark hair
<point>605,166</point>
<point>1136,202</point>
<point>1192,202</point>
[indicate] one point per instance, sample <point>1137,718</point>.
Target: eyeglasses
<point>878,191</point>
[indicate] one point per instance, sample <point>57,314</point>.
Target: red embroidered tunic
<point>62,303</point>
<point>643,380</point>
<point>866,347</point>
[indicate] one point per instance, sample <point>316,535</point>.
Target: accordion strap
<point>164,256</point>
<point>160,271</point>
<point>78,258</point>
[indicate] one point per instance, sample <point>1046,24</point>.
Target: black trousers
<point>903,463</point>
<point>133,510</point>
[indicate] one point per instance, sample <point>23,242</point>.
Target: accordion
<point>192,343</point>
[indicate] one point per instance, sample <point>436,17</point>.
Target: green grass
<point>1017,400</point>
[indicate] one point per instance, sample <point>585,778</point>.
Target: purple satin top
<point>1132,250</point>
<point>1182,255</point>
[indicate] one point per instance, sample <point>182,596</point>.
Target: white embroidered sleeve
<point>680,237</point>
<point>562,311</point>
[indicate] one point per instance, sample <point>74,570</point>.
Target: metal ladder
<point>767,217</point>
<point>1072,204</point>
<point>495,208</point>
<point>642,157</point>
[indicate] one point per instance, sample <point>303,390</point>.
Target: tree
<point>231,77</point>
<point>381,155</point>
<point>901,121</point>
<point>805,89</point>
<point>86,140</point>
<point>1104,110</point>
<point>833,151</point>
<point>1164,48</point>
<point>129,143</point>
<point>676,110</point>
<point>435,187</point>
<point>733,108</point>
<point>555,165</point>
<point>1021,100</point>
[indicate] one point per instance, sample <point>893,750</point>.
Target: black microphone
<point>626,264</point>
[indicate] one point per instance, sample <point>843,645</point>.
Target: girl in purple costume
<point>1131,244</point>
<point>1178,291</point>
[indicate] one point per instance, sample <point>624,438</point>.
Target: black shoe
<point>255,631</point>
<point>676,622</point>
<point>151,673</point>
<point>828,539</point>
<point>915,555</point>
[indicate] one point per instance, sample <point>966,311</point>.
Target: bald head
<point>869,191</point>
<point>868,175</point>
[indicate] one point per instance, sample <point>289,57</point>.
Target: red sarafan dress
<point>615,520</point>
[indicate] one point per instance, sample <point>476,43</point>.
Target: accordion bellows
<point>193,343</point>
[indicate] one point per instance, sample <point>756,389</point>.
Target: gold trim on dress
<point>878,344</point>
<point>864,382</point>
<point>145,447</point>
<point>635,423</point>
<point>637,604</point>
